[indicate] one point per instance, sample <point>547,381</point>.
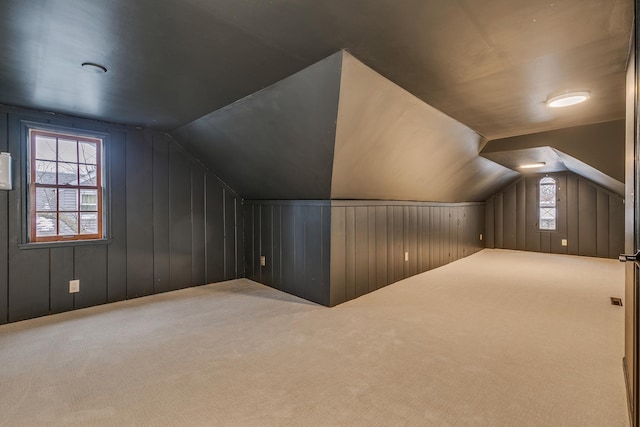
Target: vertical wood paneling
<point>276,246</point>
<point>520,215</point>
<point>230,247</point>
<point>531,215</point>
<point>436,232</point>
<point>372,248</point>
<point>239,239</point>
<point>315,289</point>
<point>398,243</point>
<point>180,219</point>
<point>412,244</point>
<point>602,224</point>
<point>266,244</point>
<point>198,241</point>
<point>382,247</point>
<point>28,283</point>
<point>509,218</point>
<point>499,218</point>
<point>390,246</point>
<point>338,258</point>
<point>587,219</point>
<point>489,237</point>
<point>616,231</point>
<point>350,253</point>
<point>61,271</point>
<point>584,217</point>
<point>115,151</point>
<point>299,255</point>
<point>215,231</point>
<point>147,231</point>
<point>288,248</point>
<point>561,222</point>
<point>256,242</point>
<point>362,250</point>
<point>325,261</point>
<point>90,267</point>
<point>426,238</point>
<point>446,248</point>
<point>573,236</point>
<point>161,248</point>
<point>139,193</point>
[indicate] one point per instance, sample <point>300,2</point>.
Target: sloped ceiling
<point>277,143</point>
<point>392,146</point>
<point>553,160</point>
<point>600,145</point>
<point>339,130</point>
<point>488,64</point>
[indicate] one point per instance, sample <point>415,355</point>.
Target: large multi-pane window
<point>547,204</point>
<point>65,187</point>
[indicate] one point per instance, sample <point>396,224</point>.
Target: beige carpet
<point>502,338</point>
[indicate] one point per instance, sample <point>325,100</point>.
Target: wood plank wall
<point>369,240</point>
<point>172,224</point>
<point>590,218</point>
<point>294,237</point>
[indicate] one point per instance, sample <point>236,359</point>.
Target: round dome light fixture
<point>568,98</point>
<point>94,68</point>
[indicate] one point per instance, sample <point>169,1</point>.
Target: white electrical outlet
<point>406,256</point>
<point>480,236</point>
<point>263,261</point>
<point>564,242</point>
<point>74,286</point>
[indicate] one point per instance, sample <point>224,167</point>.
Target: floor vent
<point>616,301</point>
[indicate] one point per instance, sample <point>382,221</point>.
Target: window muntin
<point>65,187</point>
<point>547,209</point>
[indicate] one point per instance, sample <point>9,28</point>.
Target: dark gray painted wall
<point>390,145</point>
<point>369,240</point>
<point>161,201</point>
<point>599,145</point>
<point>332,252</point>
<point>294,236</point>
<point>276,143</point>
<point>589,217</point>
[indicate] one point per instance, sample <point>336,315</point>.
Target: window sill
<point>65,244</point>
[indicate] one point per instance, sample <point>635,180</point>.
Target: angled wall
<point>293,236</point>
<point>392,146</point>
<point>374,244</point>
<point>590,218</point>
<point>171,224</point>
<point>600,145</point>
<point>276,143</point>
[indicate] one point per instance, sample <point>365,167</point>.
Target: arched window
<point>547,204</point>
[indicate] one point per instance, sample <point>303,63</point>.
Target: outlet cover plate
<point>74,286</point>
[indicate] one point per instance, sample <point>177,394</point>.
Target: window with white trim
<point>547,208</point>
<point>65,187</point>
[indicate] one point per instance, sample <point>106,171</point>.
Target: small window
<point>547,204</point>
<point>65,187</point>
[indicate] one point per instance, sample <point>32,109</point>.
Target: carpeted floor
<point>501,338</point>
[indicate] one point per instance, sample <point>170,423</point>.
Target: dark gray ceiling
<point>339,130</point>
<point>489,64</point>
<point>599,145</point>
<point>554,161</point>
<point>277,143</point>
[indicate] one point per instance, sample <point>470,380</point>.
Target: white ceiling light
<point>532,165</point>
<point>568,98</point>
<point>94,68</point>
